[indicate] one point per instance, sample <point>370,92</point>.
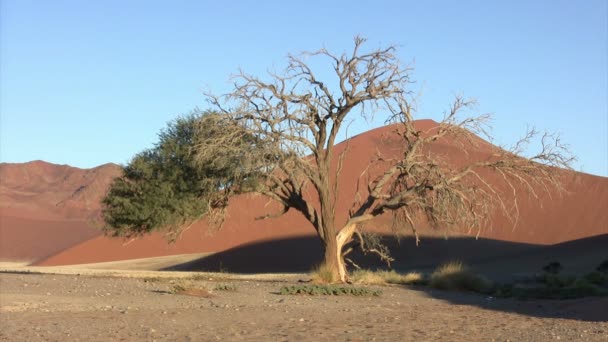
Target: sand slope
<point>579,214</point>
<point>46,208</point>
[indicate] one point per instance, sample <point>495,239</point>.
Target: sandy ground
<point>51,307</point>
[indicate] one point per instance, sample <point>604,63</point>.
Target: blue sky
<point>89,82</point>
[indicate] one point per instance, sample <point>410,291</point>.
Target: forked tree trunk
<point>334,260</point>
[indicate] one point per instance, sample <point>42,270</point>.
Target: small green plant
<point>553,267</point>
<point>225,287</point>
<point>456,276</point>
<point>328,290</point>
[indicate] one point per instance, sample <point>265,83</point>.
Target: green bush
<point>328,290</point>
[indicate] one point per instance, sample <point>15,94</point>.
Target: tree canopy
<point>164,188</point>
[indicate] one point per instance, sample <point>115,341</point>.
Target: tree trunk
<point>334,260</point>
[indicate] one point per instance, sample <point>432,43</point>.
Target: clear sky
<point>89,82</point>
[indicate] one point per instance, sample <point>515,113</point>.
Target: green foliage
<point>329,290</point>
<point>165,187</point>
<point>456,276</point>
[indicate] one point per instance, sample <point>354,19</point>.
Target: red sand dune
<point>23,239</point>
<point>46,208</point>
<point>579,214</point>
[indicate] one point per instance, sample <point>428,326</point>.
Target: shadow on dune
<point>301,254</point>
<point>273,256</point>
<point>491,257</point>
<point>499,260</point>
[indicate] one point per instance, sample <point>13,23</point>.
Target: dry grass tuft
<point>186,288</point>
<point>387,277</point>
<point>455,275</point>
<point>323,275</point>
<point>195,292</point>
<point>414,278</point>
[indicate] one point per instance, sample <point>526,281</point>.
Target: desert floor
<point>53,307</point>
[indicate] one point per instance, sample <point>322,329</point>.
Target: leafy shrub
<point>329,290</point>
<point>456,276</point>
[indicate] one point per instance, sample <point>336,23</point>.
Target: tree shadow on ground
<point>501,261</point>
<point>590,309</point>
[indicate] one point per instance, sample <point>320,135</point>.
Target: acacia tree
<point>296,118</point>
